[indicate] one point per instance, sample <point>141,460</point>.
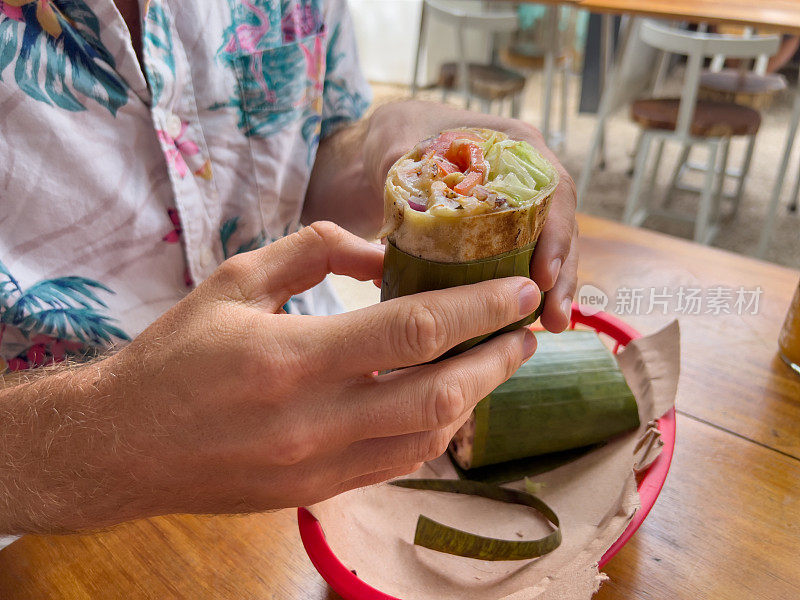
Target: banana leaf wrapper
<point>530,466</point>
<point>443,538</point>
<point>405,274</point>
<point>571,394</point>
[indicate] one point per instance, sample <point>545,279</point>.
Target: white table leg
<point>604,110</point>
<point>549,68</point>
<point>769,222</point>
<point>417,56</point>
<point>606,58</point>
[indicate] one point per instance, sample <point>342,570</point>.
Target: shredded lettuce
<point>516,170</point>
<point>487,145</point>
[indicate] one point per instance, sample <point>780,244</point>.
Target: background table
<point>727,524</point>
<point>777,15</point>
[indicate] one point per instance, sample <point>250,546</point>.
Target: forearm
<point>57,448</point>
<point>341,189</point>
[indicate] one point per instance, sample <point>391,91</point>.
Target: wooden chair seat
<point>527,57</point>
<point>747,89</point>
<point>490,82</point>
<point>711,119</point>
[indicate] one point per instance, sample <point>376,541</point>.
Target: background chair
<point>691,122</point>
<point>529,50</point>
<point>629,75</point>
<point>749,85</point>
<point>487,83</point>
<point>741,85</point>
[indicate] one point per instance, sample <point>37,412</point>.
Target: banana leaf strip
<point>514,470</point>
<point>405,274</point>
<point>534,487</point>
<point>442,538</point>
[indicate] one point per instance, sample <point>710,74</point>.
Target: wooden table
<point>774,15</point>
<point>726,527</point>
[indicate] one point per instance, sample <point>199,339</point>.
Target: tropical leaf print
<point>277,54</point>
<point>226,232</point>
<point>159,48</point>
<point>342,103</point>
<point>311,134</point>
<point>86,324</point>
<point>57,54</point>
<point>68,308</point>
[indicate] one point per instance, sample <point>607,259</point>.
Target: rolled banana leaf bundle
<point>571,394</point>
<point>559,405</point>
<point>463,207</point>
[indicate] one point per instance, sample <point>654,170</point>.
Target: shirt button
<point>206,257</point>
<point>173,125</point>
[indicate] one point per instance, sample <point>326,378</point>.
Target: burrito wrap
<point>454,238</point>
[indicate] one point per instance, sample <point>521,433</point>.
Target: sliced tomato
<point>445,166</point>
<point>442,144</point>
<point>470,181</point>
<point>467,156</point>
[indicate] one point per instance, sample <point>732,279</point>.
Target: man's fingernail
<point>528,344</point>
<point>555,267</point>
<point>529,299</point>
<point>566,307</point>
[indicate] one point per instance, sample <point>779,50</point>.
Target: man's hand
<point>226,404</point>
<point>351,167</point>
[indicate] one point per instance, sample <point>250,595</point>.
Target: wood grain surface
<point>727,524</point>
<point>731,376</point>
<point>765,15</point>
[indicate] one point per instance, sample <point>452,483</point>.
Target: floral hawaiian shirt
<point>122,188</point>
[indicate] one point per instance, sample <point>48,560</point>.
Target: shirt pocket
<point>278,85</point>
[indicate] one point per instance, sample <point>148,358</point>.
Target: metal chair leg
<point>627,32</point>
<point>725,146</point>
<point>606,75</point>
<point>564,101</point>
<point>702,229</point>
<point>634,153</point>
<point>743,172</point>
<point>420,43</point>
<point>795,194</point>
<point>654,172</point>
<point>769,222</point>
<point>632,214</point>
<point>686,147</point>
<point>549,68</point>
<point>516,101</point>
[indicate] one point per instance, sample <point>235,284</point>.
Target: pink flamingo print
<point>299,22</point>
<point>247,37</point>
<point>315,65</point>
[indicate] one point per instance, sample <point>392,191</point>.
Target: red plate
<point>350,587</point>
